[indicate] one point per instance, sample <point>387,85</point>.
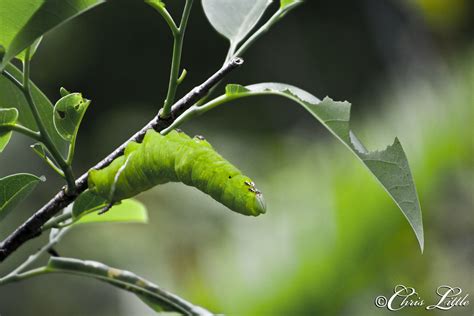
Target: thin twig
<point>176,60</point>
<point>32,227</point>
<point>17,274</point>
<point>45,137</point>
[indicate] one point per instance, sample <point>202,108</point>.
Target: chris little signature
<point>448,297</point>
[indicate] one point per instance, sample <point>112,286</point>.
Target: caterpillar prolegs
<point>176,157</point>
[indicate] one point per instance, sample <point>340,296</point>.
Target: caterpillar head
<point>246,198</point>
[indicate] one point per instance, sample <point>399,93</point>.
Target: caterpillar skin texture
<point>177,158</point>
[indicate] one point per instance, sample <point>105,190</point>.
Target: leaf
<point>25,21</point>
<point>13,96</point>
<point>87,202</point>
<point>152,295</point>
<point>232,89</point>
<point>128,211</point>
<point>54,233</point>
<point>63,92</point>
<point>7,117</point>
<point>156,2</point>
<point>389,166</point>
<point>43,152</point>
<point>40,150</point>
<point>68,114</point>
<point>14,189</point>
<point>234,19</point>
<point>284,4</point>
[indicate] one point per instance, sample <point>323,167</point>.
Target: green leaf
<point>12,95</point>
<point>285,4</point>
<point>234,19</point>
<point>389,166</point>
<point>63,92</point>
<point>68,114</point>
<point>43,152</point>
<point>14,189</point>
<point>151,294</point>
<point>87,202</point>
<point>156,2</point>
<point>128,211</point>
<point>235,89</point>
<point>8,117</point>
<point>25,21</point>
<point>40,150</point>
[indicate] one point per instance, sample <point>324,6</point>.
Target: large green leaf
<point>128,211</point>
<point>389,166</point>
<point>152,295</point>
<point>22,22</point>
<point>234,19</point>
<point>7,117</point>
<point>12,96</point>
<point>14,189</point>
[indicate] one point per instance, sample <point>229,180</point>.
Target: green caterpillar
<point>177,158</point>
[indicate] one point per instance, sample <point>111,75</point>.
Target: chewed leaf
<point>24,22</point>
<point>14,189</point>
<point>68,114</point>
<point>155,297</point>
<point>7,117</point>
<point>389,166</point>
<point>234,19</point>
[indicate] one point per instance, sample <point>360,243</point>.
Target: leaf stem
<point>176,60</point>
<point>277,16</point>
<point>151,294</point>
<point>22,130</point>
<point>55,221</point>
<point>45,137</point>
<point>16,274</point>
<point>160,8</point>
<point>12,79</point>
<point>233,51</point>
<point>197,110</point>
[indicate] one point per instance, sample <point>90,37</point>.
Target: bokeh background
<point>332,240</point>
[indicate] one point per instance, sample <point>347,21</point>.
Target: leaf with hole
<point>8,117</point>
<point>25,21</point>
<point>234,19</point>
<point>68,114</point>
<point>389,166</point>
<point>14,189</point>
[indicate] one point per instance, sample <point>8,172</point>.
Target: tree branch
<point>32,227</point>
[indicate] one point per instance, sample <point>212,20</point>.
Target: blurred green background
<point>332,240</point>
